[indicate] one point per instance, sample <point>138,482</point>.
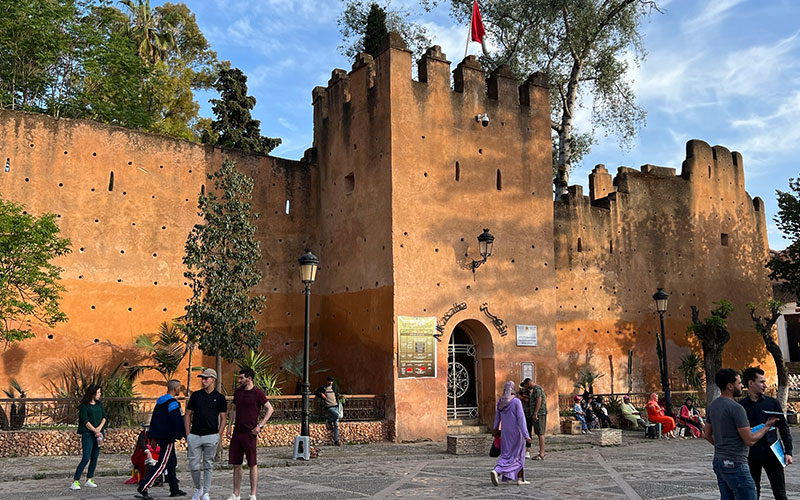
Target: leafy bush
<point>586,379</point>
<point>16,418</point>
<point>691,367</point>
<point>266,380</point>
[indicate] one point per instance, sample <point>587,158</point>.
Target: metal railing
<point>44,413</point>
<point>637,399</point>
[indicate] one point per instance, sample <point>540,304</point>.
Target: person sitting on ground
<point>580,415</point>
<point>690,417</point>
<point>655,413</point>
<point>630,413</point>
<point>146,453</point>
<point>601,412</point>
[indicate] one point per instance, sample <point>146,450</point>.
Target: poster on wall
<point>526,335</point>
<point>528,372</point>
<point>416,347</point>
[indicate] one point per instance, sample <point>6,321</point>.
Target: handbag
<point>494,450</point>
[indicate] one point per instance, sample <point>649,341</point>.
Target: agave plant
<point>74,376</point>
<point>16,417</point>
<point>691,367</point>
<point>166,349</point>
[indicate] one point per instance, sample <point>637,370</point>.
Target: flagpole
<point>469,32</point>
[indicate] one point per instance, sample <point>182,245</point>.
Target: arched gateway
<point>470,378</point>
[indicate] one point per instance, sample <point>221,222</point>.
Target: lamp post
<point>308,271</point>
<point>485,244</point>
<point>661,298</point>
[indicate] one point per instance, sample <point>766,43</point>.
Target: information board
<point>416,347</point>
<point>526,335</point>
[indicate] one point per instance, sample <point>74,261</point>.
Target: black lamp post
<point>661,298</point>
<point>308,270</point>
<point>485,244</point>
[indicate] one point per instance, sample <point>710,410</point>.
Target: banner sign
<point>416,347</point>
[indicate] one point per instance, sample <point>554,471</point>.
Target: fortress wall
<point>445,169</point>
<point>656,229</point>
<point>355,284</point>
<point>125,273</point>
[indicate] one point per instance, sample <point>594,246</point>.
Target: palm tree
<point>166,350</point>
<point>154,35</point>
<point>586,379</point>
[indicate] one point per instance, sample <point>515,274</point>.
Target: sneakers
<point>76,485</point>
<point>206,497</point>
<point>522,481</point>
<point>527,454</point>
<point>179,493</point>
<point>234,497</point>
<point>337,443</point>
<point>495,478</point>
<point>252,497</point>
<point>90,483</point>
<point>197,494</point>
<point>144,494</point>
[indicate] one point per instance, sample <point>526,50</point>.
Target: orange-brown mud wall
<point>125,273</point>
<point>657,230</point>
<point>437,214</point>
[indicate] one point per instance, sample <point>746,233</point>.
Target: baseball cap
<point>208,373</point>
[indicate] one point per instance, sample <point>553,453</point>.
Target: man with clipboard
<point>767,453</point>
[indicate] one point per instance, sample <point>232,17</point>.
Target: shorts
<point>243,444</point>
<point>540,425</point>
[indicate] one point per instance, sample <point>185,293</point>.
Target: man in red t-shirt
<point>247,403</point>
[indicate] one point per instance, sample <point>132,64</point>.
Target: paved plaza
<point>640,469</point>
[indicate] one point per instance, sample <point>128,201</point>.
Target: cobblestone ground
<point>675,469</point>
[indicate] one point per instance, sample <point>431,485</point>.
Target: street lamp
<point>308,271</point>
<point>485,244</point>
<point>661,298</point>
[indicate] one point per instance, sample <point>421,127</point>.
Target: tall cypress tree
<point>375,30</point>
<point>234,126</point>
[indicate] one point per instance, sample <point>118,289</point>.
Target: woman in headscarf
<point>656,414</point>
<point>511,418</point>
<point>691,418</point>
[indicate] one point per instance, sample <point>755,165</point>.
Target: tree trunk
<point>219,372</point>
<point>780,367</point>
<point>712,362</point>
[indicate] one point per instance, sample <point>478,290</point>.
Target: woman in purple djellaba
<point>511,418</point>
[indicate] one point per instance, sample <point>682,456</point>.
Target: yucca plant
<point>691,366</point>
<point>586,379</point>
<point>261,364</point>
<point>74,376</point>
<point>16,417</point>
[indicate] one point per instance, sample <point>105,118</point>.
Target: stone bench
<point>607,437</point>
<point>469,444</point>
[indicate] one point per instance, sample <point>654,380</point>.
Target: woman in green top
<point>91,421</point>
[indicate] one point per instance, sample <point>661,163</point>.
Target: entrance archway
<point>468,347</point>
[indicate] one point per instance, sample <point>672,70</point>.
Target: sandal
<point>538,457</point>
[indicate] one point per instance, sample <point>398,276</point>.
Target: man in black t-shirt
<point>206,414</point>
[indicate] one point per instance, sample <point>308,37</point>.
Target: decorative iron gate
<point>462,393</point>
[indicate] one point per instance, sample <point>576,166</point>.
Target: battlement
<point>357,88</point>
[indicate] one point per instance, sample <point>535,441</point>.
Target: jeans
<point>201,451</point>
<point>333,418</point>
<point>91,450</point>
<point>774,471</point>
<point>734,480</point>
<point>582,420</point>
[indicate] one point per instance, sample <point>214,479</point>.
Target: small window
<point>8,164</point>
<point>458,172</point>
<point>349,183</point>
<point>610,246</point>
<point>724,239</point>
<point>499,180</point>
<point>203,189</point>
<point>287,207</point>
<point>709,171</point>
<point>580,245</point>
<point>111,181</point>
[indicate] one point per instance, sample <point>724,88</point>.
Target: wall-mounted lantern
<point>485,243</point>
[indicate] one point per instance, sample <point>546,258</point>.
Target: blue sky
<point>724,71</point>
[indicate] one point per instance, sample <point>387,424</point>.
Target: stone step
<point>464,421</point>
<point>453,430</point>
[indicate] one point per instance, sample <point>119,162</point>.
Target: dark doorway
<point>793,336</point>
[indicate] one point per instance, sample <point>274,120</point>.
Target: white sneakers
<point>234,497</point>
<point>198,494</point>
<point>527,454</point>
<point>76,485</point>
<point>206,497</point>
<point>90,483</point>
<point>495,478</point>
<point>522,481</point>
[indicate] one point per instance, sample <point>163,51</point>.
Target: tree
<point>586,379</point>
<point>222,256</point>
<point>364,23</point>
<point>764,324</point>
<point>585,46</point>
<point>154,35</point>
<point>233,126</point>
<point>29,282</point>
<point>713,335</point>
<point>785,266</point>
<point>166,350</point>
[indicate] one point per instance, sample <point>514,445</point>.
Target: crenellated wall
<point>698,235</point>
<point>400,181</point>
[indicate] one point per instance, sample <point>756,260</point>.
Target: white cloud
<point>714,12</point>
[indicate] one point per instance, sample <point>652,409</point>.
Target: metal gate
<point>462,393</point>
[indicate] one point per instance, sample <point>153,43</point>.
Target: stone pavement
<point>640,469</point>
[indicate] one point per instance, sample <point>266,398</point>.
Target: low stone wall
<point>42,443</point>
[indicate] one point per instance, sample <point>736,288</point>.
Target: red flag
<point>476,30</point>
